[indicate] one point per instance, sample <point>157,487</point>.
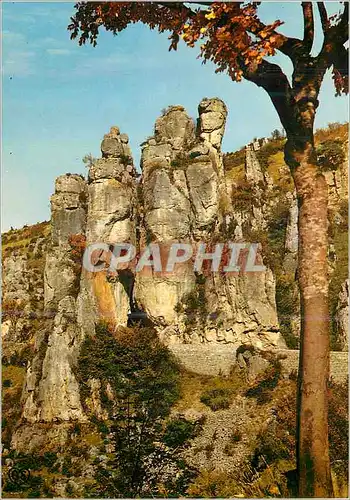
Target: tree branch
<point>343,25</point>
<point>271,78</point>
<point>309,30</point>
<point>334,39</point>
<point>324,16</point>
<point>177,6</point>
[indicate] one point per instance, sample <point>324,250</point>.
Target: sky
<point>59,99</point>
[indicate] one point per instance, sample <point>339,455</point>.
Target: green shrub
<point>277,441</point>
<point>144,379</point>
<point>217,399</point>
<point>194,304</point>
<point>236,436</point>
<point>330,154</point>
<point>66,466</point>
<point>338,234</point>
<point>181,161</point>
<point>179,431</point>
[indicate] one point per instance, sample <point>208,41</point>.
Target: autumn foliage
<point>78,245</point>
<point>231,34</point>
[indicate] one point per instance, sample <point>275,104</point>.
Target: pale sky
<point>59,99</point>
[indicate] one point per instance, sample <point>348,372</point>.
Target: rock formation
<point>182,190</point>
<point>183,195</point>
<point>51,391</point>
<point>342,317</point>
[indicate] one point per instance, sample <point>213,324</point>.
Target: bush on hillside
<point>143,381</point>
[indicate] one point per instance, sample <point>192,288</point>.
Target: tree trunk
<point>312,427</point>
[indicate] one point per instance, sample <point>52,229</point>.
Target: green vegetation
<point>143,381</point>
<point>273,250</point>
<point>89,160</point>
<point>20,239</point>
<point>217,399</point>
<point>330,154</point>
<point>179,431</point>
<point>339,427</point>
<point>270,469</point>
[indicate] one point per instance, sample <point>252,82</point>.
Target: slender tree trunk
<point>312,427</point>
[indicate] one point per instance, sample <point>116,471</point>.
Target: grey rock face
<point>111,218</point>
<point>182,195</point>
<point>212,119</point>
<point>291,242</point>
<point>15,281</point>
<point>51,391</point>
<point>338,182</point>
<point>180,198</point>
<point>342,317</point>
<point>68,208</point>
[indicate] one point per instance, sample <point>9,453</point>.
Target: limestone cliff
<point>188,192</point>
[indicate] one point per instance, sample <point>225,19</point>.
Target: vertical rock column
<point>110,219</point>
<point>205,172</point>
<point>166,216</point>
<point>51,392</point>
<point>240,308</point>
<point>182,181</point>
